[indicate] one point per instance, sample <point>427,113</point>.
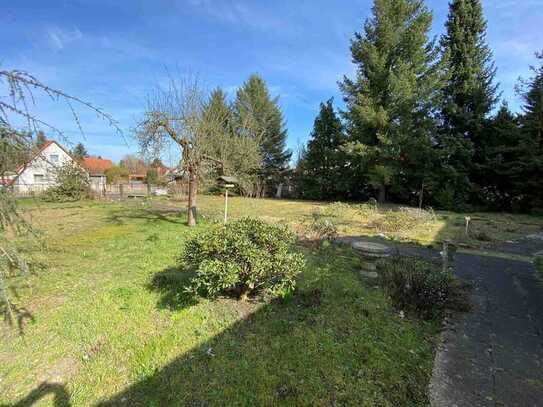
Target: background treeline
<point>250,138</point>
<point>422,123</point>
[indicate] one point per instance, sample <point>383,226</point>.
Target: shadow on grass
<point>335,341</point>
<point>61,397</point>
<point>170,215</point>
<point>172,283</point>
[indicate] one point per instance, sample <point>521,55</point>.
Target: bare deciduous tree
<point>176,114</point>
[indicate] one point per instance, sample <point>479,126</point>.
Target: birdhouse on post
<point>226,183</point>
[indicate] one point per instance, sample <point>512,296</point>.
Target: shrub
<point>242,258</point>
<point>421,286</point>
<point>336,209</point>
<point>72,184</point>
<point>401,220</point>
<point>323,229</point>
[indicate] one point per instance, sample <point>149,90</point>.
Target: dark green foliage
<point>391,102</point>
<point>14,151</point>
<point>530,182</point>
<point>231,142</point>
<point>468,96</point>
<point>72,184</point>
<point>80,152</point>
<point>420,286</point>
<point>256,110</point>
<point>499,161</point>
<point>321,165</point>
<point>152,176</point>
<point>539,265</point>
<point>242,258</point>
<point>40,139</point>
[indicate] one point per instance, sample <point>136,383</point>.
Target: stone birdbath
<point>370,253</point>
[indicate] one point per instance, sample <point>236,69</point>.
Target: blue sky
<point>112,52</point>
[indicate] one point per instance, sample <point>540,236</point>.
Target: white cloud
<point>58,38</point>
<point>516,48</point>
<point>237,13</point>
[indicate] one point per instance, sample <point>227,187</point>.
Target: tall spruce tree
<point>469,94</point>
<point>531,181</point>
<point>80,151</point>
<point>255,109</point>
<point>498,161</point>
<point>322,162</point>
<point>229,142</point>
<point>391,102</point>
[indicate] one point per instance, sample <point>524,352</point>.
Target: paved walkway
<point>493,355</point>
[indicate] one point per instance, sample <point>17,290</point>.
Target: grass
<point>104,329</point>
<point>104,332</point>
<point>389,221</point>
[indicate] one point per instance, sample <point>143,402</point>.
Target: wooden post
<point>121,190</point>
<point>226,206</point>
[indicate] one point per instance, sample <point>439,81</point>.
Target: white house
<point>38,173</point>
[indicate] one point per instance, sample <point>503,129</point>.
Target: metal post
<point>226,206</point>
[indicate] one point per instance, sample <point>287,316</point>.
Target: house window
<point>53,158</point>
<point>38,178</point>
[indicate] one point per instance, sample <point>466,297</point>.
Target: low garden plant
<point>242,258</point>
<point>422,286</point>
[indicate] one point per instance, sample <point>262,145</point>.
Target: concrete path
<point>493,355</point>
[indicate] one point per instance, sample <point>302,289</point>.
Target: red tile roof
<point>97,165</point>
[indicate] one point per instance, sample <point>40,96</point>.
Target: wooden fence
<point>177,190</point>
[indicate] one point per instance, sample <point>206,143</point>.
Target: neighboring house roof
<point>162,171</point>
<point>97,165</point>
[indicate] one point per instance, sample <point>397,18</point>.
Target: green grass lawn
<point>390,221</point>
<point>100,329</point>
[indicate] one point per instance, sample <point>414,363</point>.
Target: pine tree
<point>80,151</point>
<point>391,102</point>
<point>230,142</point>
<point>255,109</point>
<point>469,94</point>
<point>531,181</point>
<point>499,160</point>
<point>40,139</point>
<point>218,111</point>
<point>322,161</point>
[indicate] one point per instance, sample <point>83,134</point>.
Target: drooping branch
<point>21,88</point>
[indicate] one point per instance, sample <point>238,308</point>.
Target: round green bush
<point>242,258</point>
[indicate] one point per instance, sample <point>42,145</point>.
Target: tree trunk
<point>193,190</point>
<point>382,194</point>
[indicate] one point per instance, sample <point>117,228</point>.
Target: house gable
<point>39,171</point>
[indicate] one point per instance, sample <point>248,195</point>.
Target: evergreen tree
<point>469,94</point>
<point>499,160</point>
<point>322,161</point>
<point>80,151</point>
<point>530,183</point>
<point>230,142</point>
<point>256,110</point>
<point>218,111</point>
<point>391,102</point>
<point>40,139</point>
